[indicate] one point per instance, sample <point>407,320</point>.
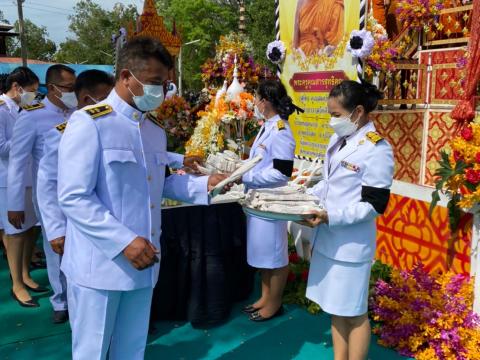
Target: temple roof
<point>151,24</point>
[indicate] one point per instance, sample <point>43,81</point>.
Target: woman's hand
<point>314,218</point>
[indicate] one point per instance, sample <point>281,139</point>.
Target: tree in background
<point>93,27</point>
<point>39,46</point>
<point>207,20</point>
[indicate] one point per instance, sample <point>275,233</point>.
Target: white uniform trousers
<point>57,279</point>
<point>105,321</point>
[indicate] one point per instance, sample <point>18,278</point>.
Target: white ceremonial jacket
<point>9,113</point>
<point>53,219</point>
<point>27,141</point>
<point>276,143</point>
<point>111,177</point>
<point>355,191</point>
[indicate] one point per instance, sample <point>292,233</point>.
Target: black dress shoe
<point>249,309</point>
<point>259,318</point>
<point>60,317</point>
<point>29,303</point>
<point>38,289</point>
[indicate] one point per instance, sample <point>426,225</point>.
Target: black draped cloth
<point>203,268</point>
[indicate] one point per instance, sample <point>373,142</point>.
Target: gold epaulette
<point>2,102</point>
<point>374,137</point>
<point>154,119</point>
<point>98,110</point>
<point>61,127</point>
<point>280,125</point>
<point>33,107</point>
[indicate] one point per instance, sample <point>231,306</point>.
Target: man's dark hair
<point>90,79</point>
<point>21,75</point>
<point>54,73</point>
<point>136,51</point>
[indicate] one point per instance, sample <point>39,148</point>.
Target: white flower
<point>361,43</point>
<point>276,51</point>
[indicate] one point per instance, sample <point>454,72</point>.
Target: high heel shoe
<point>249,309</point>
<point>38,289</point>
<point>259,318</point>
<point>29,303</point>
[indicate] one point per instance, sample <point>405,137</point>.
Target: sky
<point>53,14</point>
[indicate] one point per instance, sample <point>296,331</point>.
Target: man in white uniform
<point>27,140</point>
<point>91,86</point>
<point>111,178</point>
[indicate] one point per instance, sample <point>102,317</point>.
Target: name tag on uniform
<point>351,167</point>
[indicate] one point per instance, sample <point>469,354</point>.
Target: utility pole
<point>180,85</point>
<point>23,46</point>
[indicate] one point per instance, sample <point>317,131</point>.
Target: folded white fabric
<point>285,200</point>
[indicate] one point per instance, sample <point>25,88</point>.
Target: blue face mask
<point>152,96</point>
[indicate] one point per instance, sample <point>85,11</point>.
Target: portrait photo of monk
<point>319,26</point>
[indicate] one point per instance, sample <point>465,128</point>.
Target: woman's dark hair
<point>274,92</point>
<point>21,75</point>
<point>3,83</point>
<point>352,94</point>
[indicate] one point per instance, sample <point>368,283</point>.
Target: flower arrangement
<point>383,53</point>
<point>220,68</point>
<point>276,51</point>
<point>218,119</point>
<point>174,114</point>
<point>427,316</point>
<point>459,173</point>
<point>207,137</point>
<point>418,14</point>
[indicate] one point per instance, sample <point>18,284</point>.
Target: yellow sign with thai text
<point>316,33</point>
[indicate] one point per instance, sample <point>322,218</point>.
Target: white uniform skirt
<point>340,288</point>
<point>267,243</point>
<point>30,217</point>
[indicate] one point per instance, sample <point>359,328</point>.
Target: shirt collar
<point>12,105</point>
<point>124,108</point>
<point>361,132</point>
<point>272,121</point>
<point>52,107</point>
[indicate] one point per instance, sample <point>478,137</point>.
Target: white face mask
<point>257,113</point>
<point>69,99</point>
<point>343,126</point>
<point>151,99</point>
<point>27,97</point>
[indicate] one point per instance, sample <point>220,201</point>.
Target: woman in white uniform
<point>267,243</point>
<point>358,174</point>
<point>20,90</point>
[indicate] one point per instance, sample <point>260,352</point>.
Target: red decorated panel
<point>404,131</point>
<point>445,82</point>
<point>407,235</point>
<point>441,129</point>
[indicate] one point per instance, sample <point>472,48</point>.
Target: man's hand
<point>16,218</point>
<point>214,179</point>
<point>141,253</point>
<point>192,162</point>
<point>314,218</point>
<point>58,244</point>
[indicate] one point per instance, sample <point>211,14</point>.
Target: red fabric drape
<point>465,109</point>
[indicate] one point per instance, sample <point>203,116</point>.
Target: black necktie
<point>261,132</point>
<point>344,142</point>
